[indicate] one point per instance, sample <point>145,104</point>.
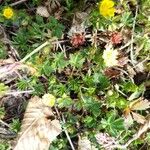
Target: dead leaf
<point>131,71</point>
<point>6,61</point>
<point>128,120</point>
<point>52,5</point>
<point>123,61</point>
<point>112,73</point>
<point>105,140</point>
<point>143,128</point>
<point>140,104</point>
<point>10,68</point>
<point>38,129</point>
<point>42,11</point>
<point>130,116</point>
<point>138,118</point>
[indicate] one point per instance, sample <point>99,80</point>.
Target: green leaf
<point>137,93</point>
<point>129,87</point>
<point>101,80</point>
<point>2,112</point>
<point>92,105</point>
<point>76,60</point>
<point>116,101</point>
<point>64,102</point>
<point>113,125</point>
<point>55,27</point>
<point>59,62</point>
<point>15,125</point>
<point>3,89</point>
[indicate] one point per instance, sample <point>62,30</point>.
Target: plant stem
<point>34,51</point>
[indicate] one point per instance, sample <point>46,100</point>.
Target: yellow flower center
<point>8,13</point>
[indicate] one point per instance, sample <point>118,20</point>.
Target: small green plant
<point>4,145</point>
<point>2,112</point>
<point>100,86</point>
<point>112,125</point>
<point>3,89</point>
<point>15,125</point>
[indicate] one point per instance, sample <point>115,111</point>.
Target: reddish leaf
<point>116,38</point>
<point>112,73</point>
<point>77,39</point>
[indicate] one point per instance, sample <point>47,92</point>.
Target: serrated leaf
<point>76,60</point>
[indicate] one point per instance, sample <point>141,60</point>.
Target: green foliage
<point>89,98</point>
<point>126,19</point>
<point>3,52</point>
<point>129,87</point>
<point>2,112</point>
<point>145,42</point>
<point>23,84</point>
<point>101,80</point>
<point>114,100</point>
<point>98,21</point>
<point>69,4</point>
<point>59,144</point>
<point>76,60</point>
<point>36,32</point>
<point>36,2</point>
<point>112,125</point>
<point>3,89</point>
<point>90,122</point>
<point>15,125</point>
<point>4,145</point>
<point>64,101</point>
<point>55,27</point>
<point>91,105</point>
<point>59,61</point>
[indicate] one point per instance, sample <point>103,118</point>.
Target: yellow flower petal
<point>8,13</point>
<point>109,3</point>
<point>111,12</point>
<point>106,8</point>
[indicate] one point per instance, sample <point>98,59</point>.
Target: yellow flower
<point>110,57</point>
<point>48,100</point>
<point>106,8</point>
<point>8,13</point>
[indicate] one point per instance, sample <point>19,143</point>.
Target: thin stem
<point>68,137</point>
<point>40,47</point>
<point>4,123</point>
<point>66,132</point>
<point>17,3</point>
<point>132,38</point>
<point>34,51</point>
<point>18,92</point>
